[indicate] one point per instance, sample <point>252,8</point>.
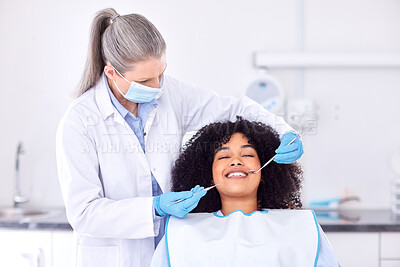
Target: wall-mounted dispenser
<point>267,91</point>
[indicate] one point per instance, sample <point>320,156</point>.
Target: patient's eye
<point>249,152</point>
<point>223,157</point>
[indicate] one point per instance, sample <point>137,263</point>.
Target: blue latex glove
<point>289,153</point>
<point>182,208</point>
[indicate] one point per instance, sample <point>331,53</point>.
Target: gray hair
<point>120,41</point>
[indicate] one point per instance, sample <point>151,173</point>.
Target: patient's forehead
<point>236,140</point>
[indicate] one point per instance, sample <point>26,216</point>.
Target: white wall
<point>43,48</point>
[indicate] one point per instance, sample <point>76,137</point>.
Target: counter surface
<point>358,221</point>
<point>330,221</point>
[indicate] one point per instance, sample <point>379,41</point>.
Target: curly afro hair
<point>280,183</point>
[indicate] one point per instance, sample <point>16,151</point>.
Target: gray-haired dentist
<point>117,142</point>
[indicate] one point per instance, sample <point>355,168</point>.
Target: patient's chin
<point>236,191</point>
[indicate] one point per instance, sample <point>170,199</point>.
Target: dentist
<point>118,140</point>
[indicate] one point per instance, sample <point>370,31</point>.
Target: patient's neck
<point>230,204</point>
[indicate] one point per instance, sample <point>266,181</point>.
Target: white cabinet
<point>390,246</point>
<point>389,263</point>
<point>356,249</point>
<point>366,249</point>
<point>390,249</point>
<point>35,248</point>
<point>63,253</point>
<point>25,248</point>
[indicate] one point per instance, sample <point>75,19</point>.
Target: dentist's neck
<point>231,204</point>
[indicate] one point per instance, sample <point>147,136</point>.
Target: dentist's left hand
<point>182,208</point>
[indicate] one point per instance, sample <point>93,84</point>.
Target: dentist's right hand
<point>182,208</point>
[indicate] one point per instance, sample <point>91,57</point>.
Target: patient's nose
<point>236,162</point>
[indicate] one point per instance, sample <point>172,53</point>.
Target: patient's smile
<point>236,174</point>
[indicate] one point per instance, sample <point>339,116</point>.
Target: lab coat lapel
<point>149,122</point>
<point>155,145</point>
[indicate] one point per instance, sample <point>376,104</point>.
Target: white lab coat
<point>106,178</point>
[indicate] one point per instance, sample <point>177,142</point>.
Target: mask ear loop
<point>121,75</point>
<point>122,78</point>
<point>118,88</point>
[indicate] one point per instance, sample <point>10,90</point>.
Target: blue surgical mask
<point>139,93</point>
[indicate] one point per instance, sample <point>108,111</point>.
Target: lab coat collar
<point>103,99</point>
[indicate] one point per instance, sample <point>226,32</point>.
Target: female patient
<point>249,219</point>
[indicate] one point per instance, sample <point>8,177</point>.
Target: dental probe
<point>269,161</point>
<point>205,189</point>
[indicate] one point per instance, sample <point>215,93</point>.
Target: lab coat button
<point>154,169</point>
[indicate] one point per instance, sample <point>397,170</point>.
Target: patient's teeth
<point>236,174</point>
